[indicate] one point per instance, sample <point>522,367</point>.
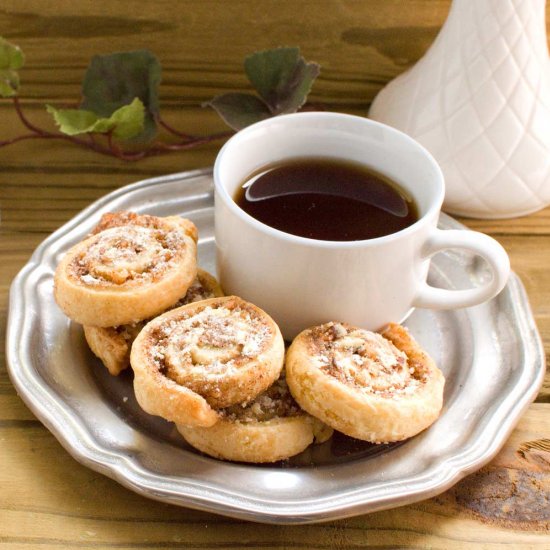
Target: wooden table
<point>47,500</point>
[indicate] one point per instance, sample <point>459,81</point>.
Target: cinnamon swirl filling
<point>269,428</point>
<point>112,344</point>
<point>133,268</point>
<point>225,350</point>
<point>364,360</point>
<point>375,387</point>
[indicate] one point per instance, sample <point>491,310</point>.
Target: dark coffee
<point>326,199</point>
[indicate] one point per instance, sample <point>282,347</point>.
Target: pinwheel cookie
<point>132,268</point>
<point>205,356</point>
<point>374,387</point>
<point>271,427</point>
<point>112,344</point>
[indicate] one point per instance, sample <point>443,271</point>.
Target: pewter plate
<point>491,356</point>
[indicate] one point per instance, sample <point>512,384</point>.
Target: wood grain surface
<point>47,499</point>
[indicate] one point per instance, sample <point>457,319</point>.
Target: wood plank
<point>537,223</point>
<point>32,169</point>
<point>359,44</point>
<point>513,489</point>
<point>44,183</point>
<point>202,44</point>
<point>530,258</point>
<point>48,500</point>
<point>71,505</point>
<point>12,408</point>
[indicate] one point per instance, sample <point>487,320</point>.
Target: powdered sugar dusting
<point>364,360</point>
<point>275,402</point>
<point>126,254</point>
<point>196,292</point>
<point>208,344</point>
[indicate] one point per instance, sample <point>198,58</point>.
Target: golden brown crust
<point>257,442</point>
<point>224,350</point>
<point>378,388</point>
<point>112,344</point>
<point>133,269</point>
<point>204,287</point>
<point>122,218</point>
<point>271,427</point>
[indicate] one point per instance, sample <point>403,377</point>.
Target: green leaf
<point>239,110</point>
<point>113,81</point>
<point>129,120</point>
<point>11,56</point>
<point>9,83</point>
<point>11,59</point>
<point>73,121</point>
<point>282,77</point>
<point>126,122</point>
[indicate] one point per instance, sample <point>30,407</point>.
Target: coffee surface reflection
<point>326,199</point>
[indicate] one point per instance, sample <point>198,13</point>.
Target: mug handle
<point>483,245</point>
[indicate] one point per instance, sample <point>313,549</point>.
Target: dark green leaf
<point>270,70</point>
<point>240,110</point>
<point>298,88</point>
<point>282,77</point>
<point>113,81</point>
<point>126,122</point>
<point>11,59</point>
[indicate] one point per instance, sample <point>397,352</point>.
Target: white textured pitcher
<point>479,101</point>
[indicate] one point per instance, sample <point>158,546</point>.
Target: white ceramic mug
<point>302,282</point>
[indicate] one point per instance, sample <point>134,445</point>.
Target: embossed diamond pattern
<point>479,101</point>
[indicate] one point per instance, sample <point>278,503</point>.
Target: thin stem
<point>25,120</point>
<point>119,153</point>
<point>172,130</point>
<point>46,134</point>
<point>94,147</point>
<point>113,149</point>
<point>40,132</point>
<point>307,107</point>
<point>195,142</point>
<point>112,146</point>
<point>19,138</point>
